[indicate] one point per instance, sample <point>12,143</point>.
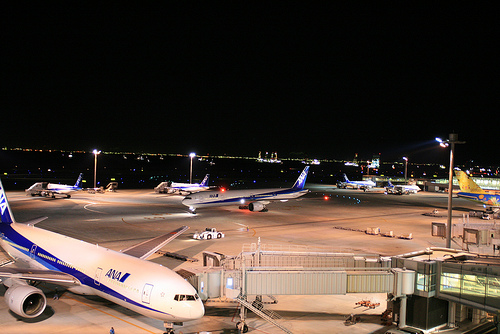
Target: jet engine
<point>25,300</point>
<point>256,206</point>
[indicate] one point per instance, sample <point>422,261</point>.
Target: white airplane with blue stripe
<point>123,277</point>
<point>48,189</point>
<point>363,185</point>
<point>254,199</point>
<point>170,187</point>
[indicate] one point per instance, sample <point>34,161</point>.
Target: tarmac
<point>332,223</point>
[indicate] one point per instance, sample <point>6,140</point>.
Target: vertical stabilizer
<point>204,183</point>
<point>79,181</point>
<point>301,181</point>
<point>467,184</point>
<point>7,216</point>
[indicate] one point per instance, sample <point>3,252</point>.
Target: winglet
<point>301,181</point>
<point>467,184</point>
<point>6,212</point>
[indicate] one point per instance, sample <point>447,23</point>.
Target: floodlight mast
<point>191,155</point>
<point>451,141</point>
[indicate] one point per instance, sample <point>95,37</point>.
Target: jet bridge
<point>277,270</point>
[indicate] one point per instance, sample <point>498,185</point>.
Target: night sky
<point>320,80</point>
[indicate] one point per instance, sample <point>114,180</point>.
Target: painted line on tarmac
<point>114,316</point>
<point>89,204</point>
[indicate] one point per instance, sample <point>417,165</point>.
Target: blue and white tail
<point>389,184</point>
<point>79,181</point>
<point>204,183</point>
<point>7,216</point>
<point>345,178</point>
<point>301,181</point>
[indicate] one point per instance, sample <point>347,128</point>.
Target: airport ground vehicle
<point>209,233</point>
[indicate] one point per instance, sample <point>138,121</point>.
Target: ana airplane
<point>471,191</point>
<point>124,277</point>
<point>52,189</point>
<point>254,199</point>
<point>401,189</point>
<point>170,187</point>
<point>364,185</point>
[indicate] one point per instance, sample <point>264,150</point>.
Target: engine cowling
<point>256,206</point>
<point>25,300</point>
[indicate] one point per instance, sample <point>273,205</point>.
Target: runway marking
<point>114,316</point>
<point>89,204</point>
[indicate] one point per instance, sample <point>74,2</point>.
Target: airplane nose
<point>198,311</point>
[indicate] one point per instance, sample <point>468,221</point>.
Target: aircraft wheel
<point>242,327</point>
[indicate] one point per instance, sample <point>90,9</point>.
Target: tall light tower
<point>191,155</point>
<point>96,153</point>
<point>406,169</point>
<point>451,141</point>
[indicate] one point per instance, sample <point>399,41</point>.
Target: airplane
<point>170,187</point>
<point>48,189</point>
<point>253,199</point>
<point>123,277</point>
<point>364,185</point>
<point>471,191</point>
<point>401,189</point>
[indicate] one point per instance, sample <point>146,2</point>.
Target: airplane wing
<point>51,276</point>
<point>146,248</point>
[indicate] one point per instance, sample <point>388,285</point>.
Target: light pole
<point>406,169</point>
<point>191,155</point>
<point>453,139</point>
<point>96,152</point>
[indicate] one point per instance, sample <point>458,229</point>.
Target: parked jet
<point>254,199</point>
<point>364,185</point>
<point>124,277</point>
<point>471,191</point>
<point>170,187</point>
<point>401,189</point>
<point>52,189</point>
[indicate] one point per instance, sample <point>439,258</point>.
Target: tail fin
<point>301,181</point>
<point>345,178</point>
<point>204,183</point>
<point>6,212</point>
<point>467,184</point>
<point>389,184</point>
<point>79,181</point>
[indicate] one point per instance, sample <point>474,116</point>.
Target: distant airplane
<point>255,199</point>
<point>170,187</point>
<point>401,189</point>
<point>471,191</point>
<point>52,189</point>
<point>124,277</point>
<point>364,185</point>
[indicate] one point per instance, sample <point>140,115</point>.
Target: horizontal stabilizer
<point>35,221</point>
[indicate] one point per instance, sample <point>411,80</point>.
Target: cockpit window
<point>182,298</point>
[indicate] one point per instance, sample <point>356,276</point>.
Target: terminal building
<point>429,290</point>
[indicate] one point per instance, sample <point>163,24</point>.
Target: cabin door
<point>33,251</point>
<point>97,277</point>
<point>146,293</point>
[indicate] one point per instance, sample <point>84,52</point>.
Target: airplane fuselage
<point>240,197</point>
<point>145,287</point>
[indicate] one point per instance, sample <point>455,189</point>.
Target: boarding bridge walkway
<point>262,270</point>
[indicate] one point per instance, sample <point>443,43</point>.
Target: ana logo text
<point>117,275</point>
